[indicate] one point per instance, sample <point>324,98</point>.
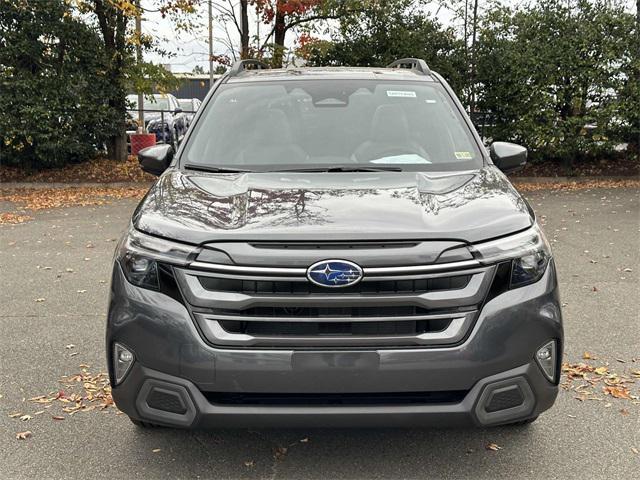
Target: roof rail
<point>416,64</point>
<point>241,65</point>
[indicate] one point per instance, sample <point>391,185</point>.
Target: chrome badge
<point>334,273</point>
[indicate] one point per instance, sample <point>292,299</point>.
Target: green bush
<point>52,105</point>
<point>555,76</point>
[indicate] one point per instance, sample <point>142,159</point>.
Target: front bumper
<point>196,411</point>
<point>171,357</point>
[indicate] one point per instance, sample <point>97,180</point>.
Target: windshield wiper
<point>343,168</point>
<point>211,169</point>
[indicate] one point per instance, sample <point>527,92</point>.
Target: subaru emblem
<point>334,273</point>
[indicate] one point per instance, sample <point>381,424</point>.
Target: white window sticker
<point>407,158</point>
<point>463,155</point>
<point>401,93</point>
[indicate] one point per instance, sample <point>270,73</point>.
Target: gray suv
<point>333,247</point>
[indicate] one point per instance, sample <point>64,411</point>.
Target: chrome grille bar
<point>251,272</point>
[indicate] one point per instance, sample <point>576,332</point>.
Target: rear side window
<point>268,125</point>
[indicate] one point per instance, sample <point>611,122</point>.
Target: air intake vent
<point>504,398</point>
<point>166,401</point>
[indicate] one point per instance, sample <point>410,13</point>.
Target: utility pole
<point>210,44</point>
<point>141,128</point>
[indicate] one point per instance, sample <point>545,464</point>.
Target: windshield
<point>185,105</point>
<point>153,103</point>
<point>316,124</point>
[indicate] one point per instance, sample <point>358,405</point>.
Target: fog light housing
<point>546,358</point>
<point>122,362</point>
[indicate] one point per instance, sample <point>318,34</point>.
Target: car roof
<point>330,73</point>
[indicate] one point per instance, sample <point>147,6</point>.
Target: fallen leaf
<point>617,392</point>
<point>601,370</point>
<point>16,414</point>
<point>248,463</point>
<point>280,453</point>
<point>57,417</point>
<point>82,291</point>
<point>39,300</point>
<point>493,447</point>
<point>587,356</point>
<point>70,346</point>
<point>635,450</point>
<point>24,418</point>
<point>156,450</point>
<point>23,435</point>
<point>73,354</point>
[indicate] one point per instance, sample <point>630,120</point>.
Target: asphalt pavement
<point>55,272</point>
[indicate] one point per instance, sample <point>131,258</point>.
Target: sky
<point>191,49</point>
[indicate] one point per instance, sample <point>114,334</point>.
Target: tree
<point>378,33</point>
<point>552,75</point>
<point>114,23</point>
<point>285,15</point>
<point>52,95</point>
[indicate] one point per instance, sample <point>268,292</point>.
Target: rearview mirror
<point>156,159</point>
<point>508,156</point>
<point>177,110</point>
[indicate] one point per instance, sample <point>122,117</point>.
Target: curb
<point>42,185</point>
<point>573,179</point>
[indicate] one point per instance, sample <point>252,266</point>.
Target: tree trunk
<point>113,25</point>
<point>472,102</point>
<point>117,146</point>
<point>280,31</point>
<point>244,25</point>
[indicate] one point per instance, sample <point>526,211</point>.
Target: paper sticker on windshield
<point>463,155</point>
<point>401,93</point>
<point>407,159</point>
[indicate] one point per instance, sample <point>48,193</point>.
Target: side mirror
<point>156,159</point>
<point>508,156</point>
<point>177,111</point>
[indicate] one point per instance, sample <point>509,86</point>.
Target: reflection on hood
<point>200,207</point>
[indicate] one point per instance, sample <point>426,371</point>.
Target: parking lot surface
<point>55,273</point>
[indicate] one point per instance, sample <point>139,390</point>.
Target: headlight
<point>528,251</point>
<point>139,254</point>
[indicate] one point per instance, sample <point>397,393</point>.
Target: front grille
<point>249,287</point>
<point>278,307</point>
<point>302,399</point>
<point>332,245</point>
<point>324,313</point>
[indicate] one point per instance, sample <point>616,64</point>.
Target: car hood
<point>196,207</point>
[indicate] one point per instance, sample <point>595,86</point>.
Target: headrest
<point>389,124</point>
<point>272,128</point>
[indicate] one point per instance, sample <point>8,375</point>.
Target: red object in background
<point>142,140</point>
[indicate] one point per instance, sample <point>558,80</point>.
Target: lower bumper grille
<point>302,399</point>
<point>335,328</point>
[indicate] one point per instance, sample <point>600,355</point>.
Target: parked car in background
<point>162,116</point>
<point>189,107</point>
